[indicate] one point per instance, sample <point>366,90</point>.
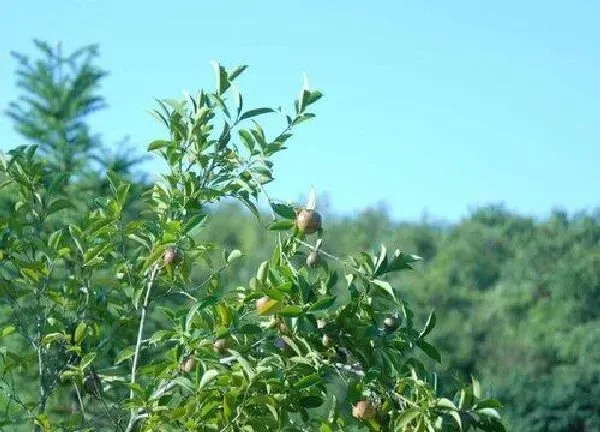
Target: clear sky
<point>431,106</point>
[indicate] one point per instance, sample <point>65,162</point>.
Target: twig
<point>153,273</point>
<point>321,251</point>
<point>80,400</point>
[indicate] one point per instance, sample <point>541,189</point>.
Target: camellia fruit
<point>390,324</point>
<point>280,343</point>
<point>313,259</point>
<point>171,256</point>
<point>308,221</point>
<point>283,328</point>
<point>220,345</point>
<point>188,364</point>
<point>363,410</point>
<point>92,384</point>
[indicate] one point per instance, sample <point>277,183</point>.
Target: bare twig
<point>153,273</point>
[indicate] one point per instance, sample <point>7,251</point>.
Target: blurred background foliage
<point>524,293</point>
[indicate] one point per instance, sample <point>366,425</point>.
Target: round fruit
<point>188,364</point>
<point>363,410</point>
<point>313,259</point>
<point>172,256</point>
<point>280,343</point>
<point>308,221</point>
<point>92,384</point>
<point>390,324</point>
<point>283,328</point>
<point>326,340</point>
<point>220,345</point>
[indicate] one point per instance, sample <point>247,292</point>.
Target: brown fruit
<point>390,324</point>
<point>283,328</point>
<point>188,364</point>
<point>280,343</point>
<point>92,384</point>
<point>308,221</point>
<point>171,256</point>
<point>363,410</point>
<point>220,345</point>
<point>326,340</point>
<point>313,259</point>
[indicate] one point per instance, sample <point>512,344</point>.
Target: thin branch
<point>80,400</point>
<point>138,344</point>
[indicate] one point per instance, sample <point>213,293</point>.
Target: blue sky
<point>429,106</point>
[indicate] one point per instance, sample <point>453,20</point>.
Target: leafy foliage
<point>107,312</point>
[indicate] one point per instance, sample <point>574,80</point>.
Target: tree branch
<point>153,273</point>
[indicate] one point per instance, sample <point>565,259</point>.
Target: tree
<point>264,356</point>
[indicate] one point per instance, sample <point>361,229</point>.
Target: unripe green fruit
<point>308,221</point>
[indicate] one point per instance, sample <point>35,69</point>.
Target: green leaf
<point>255,112</point>
<point>270,307</point>
<point>284,210</point>
<point>125,354</point>
<point>457,419</point>
<point>59,204</point>
<point>237,72</point>
<point>445,403</point>
<point>234,255</point>
<point>87,360</point>
<point>80,332</point>
<point>262,272</point>
<point>281,225</point>
<point>207,377</point>
<point>222,83</point>
<point>308,381</point>
<point>386,286</point>
<point>489,412</point>
<point>8,330</point>
<point>430,350</point>
<point>158,144</point>
<point>429,325</point>
<point>476,387</point>
<point>54,240</point>
<point>77,237</point>
<point>401,261</point>
<point>52,337</point>
<point>311,401</point>
<point>247,139</point>
<point>487,403</point>
<point>322,303</point>
<point>406,418</point>
<point>291,311</point>
<point>244,363</point>
<point>192,227</point>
